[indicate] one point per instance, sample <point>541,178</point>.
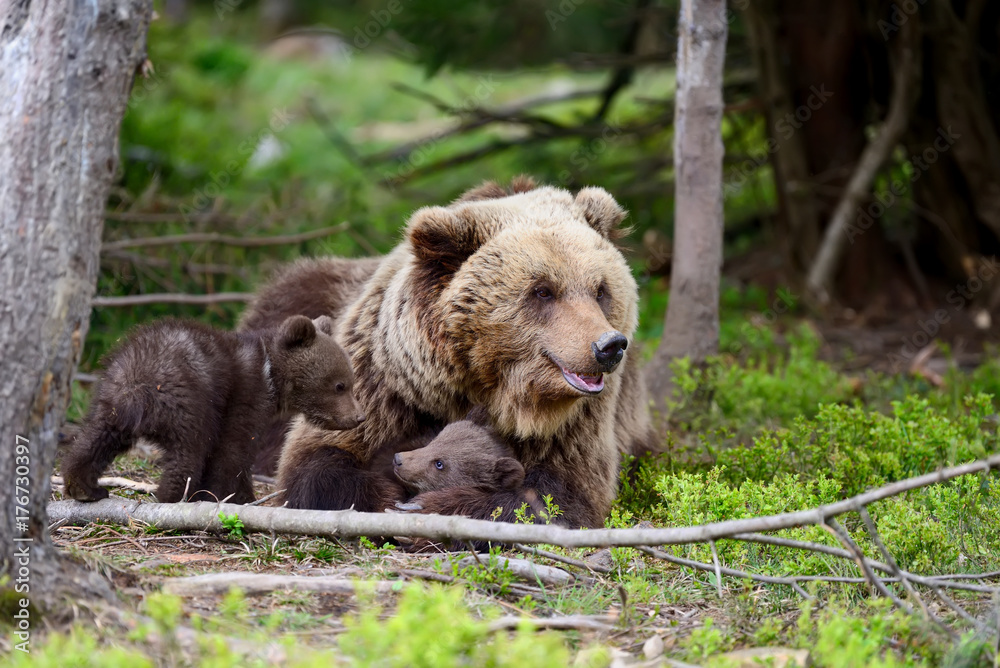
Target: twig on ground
<point>560,558</point>
<point>718,567</point>
<point>831,525</point>
<point>526,570</point>
<point>259,583</point>
<point>873,532</point>
<point>723,570</point>
<point>426,575</point>
<point>570,623</point>
<point>929,580</point>
<point>115,482</point>
<point>262,500</point>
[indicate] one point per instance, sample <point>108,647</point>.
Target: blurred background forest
<point>331,122</point>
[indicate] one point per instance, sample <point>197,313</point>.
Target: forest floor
<point>780,429</point>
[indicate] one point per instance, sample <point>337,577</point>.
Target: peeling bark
<point>66,70</point>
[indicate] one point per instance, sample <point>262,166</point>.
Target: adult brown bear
<point>515,300</point>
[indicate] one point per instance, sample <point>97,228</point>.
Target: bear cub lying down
<point>464,454</point>
<point>204,397</point>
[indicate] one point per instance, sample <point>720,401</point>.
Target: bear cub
<point>464,454</point>
<point>204,397</point>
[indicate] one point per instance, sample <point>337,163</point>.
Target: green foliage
<point>431,627</point>
<point>784,434</point>
<point>492,572</point>
<point>768,391</point>
<point>77,649</point>
<point>705,641</point>
<point>233,524</point>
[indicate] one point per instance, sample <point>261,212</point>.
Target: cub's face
<point>463,455</point>
<point>541,310</point>
<point>316,373</point>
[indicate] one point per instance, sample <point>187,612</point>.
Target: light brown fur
<point>457,315</point>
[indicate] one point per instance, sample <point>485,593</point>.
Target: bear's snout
<point>397,459</point>
<point>609,349</point>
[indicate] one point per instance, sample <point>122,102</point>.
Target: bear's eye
<point>543,293</point>
<point>439,465</point>
<point>340,387</point>
<point>600,293</point>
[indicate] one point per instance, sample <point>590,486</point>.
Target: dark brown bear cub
<point>203,397</point>
<point>464,454</point>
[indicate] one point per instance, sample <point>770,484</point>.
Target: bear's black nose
<point>397,459</point>
<point>609,349</point>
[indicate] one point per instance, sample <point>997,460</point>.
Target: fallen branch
<point>212,584</point>
<point>349,523</point>
<point>115,482</point>
<point>561,558</point>
<point>225,239</point>
<point>570,623</point>
<point>171,298</point>
<point>874,155</point>
<point>931,581</point>
<point>720,570</point>
<point>526,570</point>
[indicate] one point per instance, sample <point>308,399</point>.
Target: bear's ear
<point>324,324</point>
<point>508,473</point>
<point>442,238</point>
<point>297,331</point>
<point>602,212</point>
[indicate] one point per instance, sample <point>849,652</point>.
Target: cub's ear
<point>602,212</point>
<point>297,331</point>
<point>478,415</point>
<point>443,239</point>
<point>324,324</point>
<point>508,473</point>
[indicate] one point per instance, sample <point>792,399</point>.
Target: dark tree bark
<point>691,327</point>
<point>66,69</point>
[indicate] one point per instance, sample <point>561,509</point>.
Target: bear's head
<point>312,374</point>
<point>527,298</point>
<point>464,454</point>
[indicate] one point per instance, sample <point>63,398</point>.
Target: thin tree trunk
<point>691,327</point>
<point>66,69</point>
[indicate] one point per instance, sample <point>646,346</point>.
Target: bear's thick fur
<point>464,454</point>
<point>516,300</point>
<point>203,397</point>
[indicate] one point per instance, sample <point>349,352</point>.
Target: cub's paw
<point>408,507</point>
<point>82,491</point>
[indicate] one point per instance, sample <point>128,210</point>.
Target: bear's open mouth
<point>585,384</point>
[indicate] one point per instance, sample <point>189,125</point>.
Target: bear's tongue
<point>588,384</point>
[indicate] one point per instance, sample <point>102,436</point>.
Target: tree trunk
<point>66,69</point>
<point>796,201</point>
<point>691,327</point>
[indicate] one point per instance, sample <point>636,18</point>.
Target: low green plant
<point>233,524</point>
<point>432,627</point>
